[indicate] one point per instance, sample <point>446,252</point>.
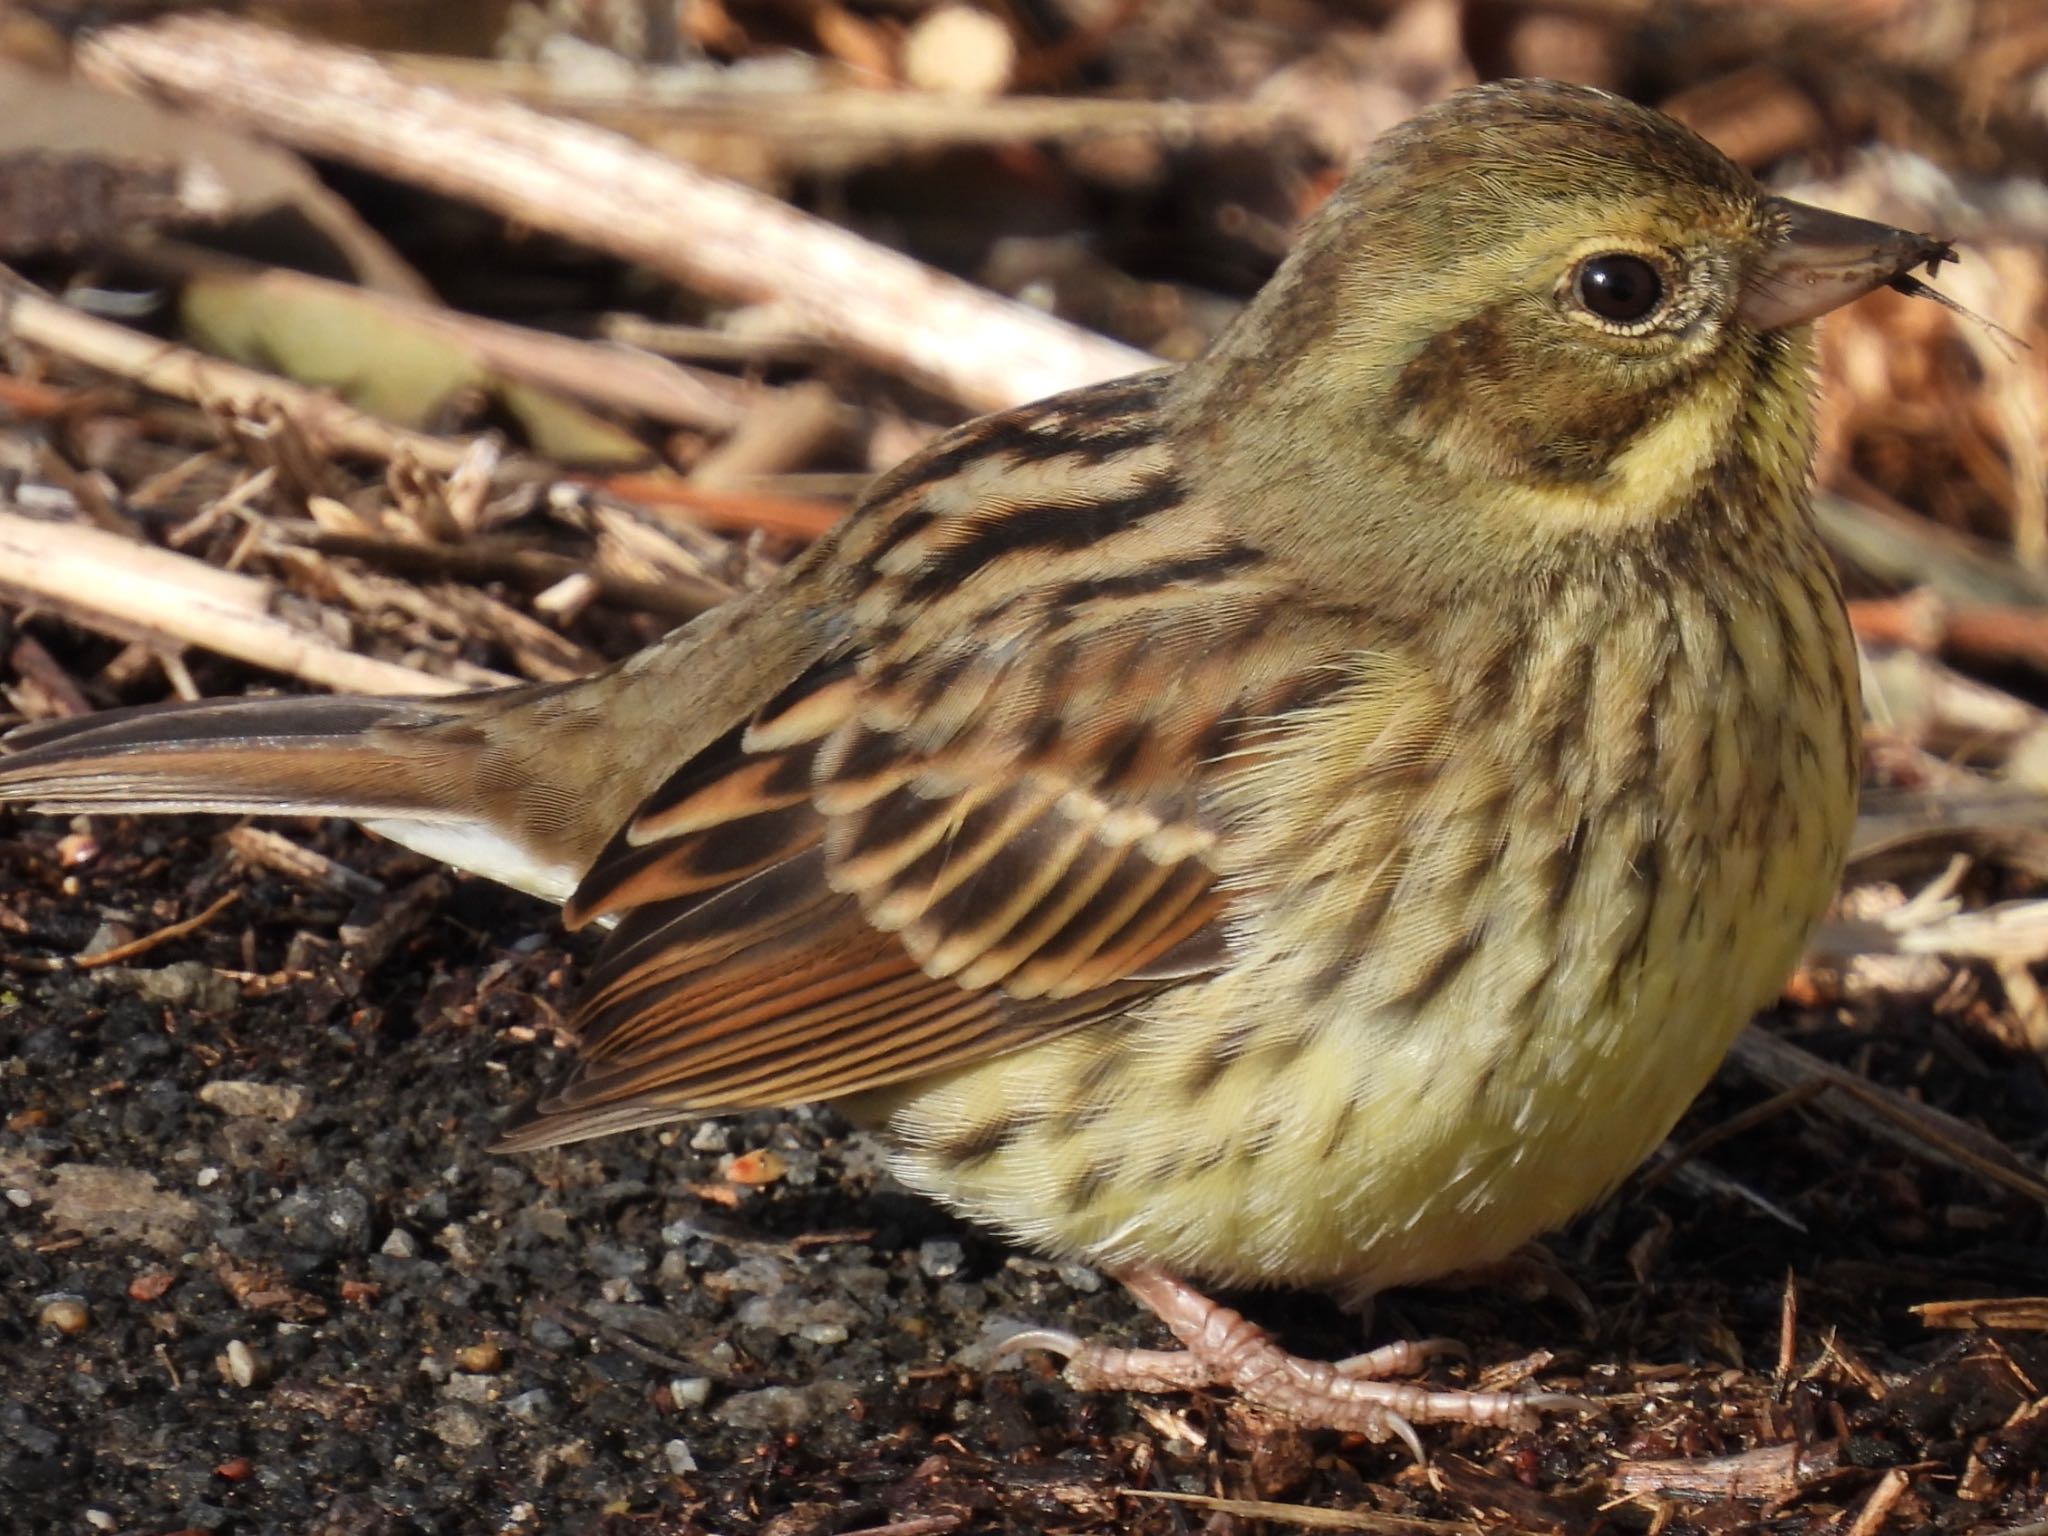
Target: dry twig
<point>163,935</point>
<point>141,593</point>
<point>982,350</point>
<point>1888,1115</point>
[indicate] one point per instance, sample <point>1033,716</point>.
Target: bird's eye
<point>1621,287</point>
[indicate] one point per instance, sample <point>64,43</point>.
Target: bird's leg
<point>1220,1348</point>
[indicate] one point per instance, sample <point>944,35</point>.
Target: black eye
<point>1621,288</point>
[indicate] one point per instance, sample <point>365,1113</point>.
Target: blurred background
<point>242,183</point>
<point>408,345</point>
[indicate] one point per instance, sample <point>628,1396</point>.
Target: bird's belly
<point>1272,1126</point>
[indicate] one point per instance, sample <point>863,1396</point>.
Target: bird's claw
<point>1054,1341</point>
<point>1220,1348</point>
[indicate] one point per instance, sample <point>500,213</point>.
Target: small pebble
<point>615,1261</point>
<point>150,1285</point>
<point>756,1274</point>
<point>66,1314</point>
<point>551,1335</point>
<point>401,1244</point>
<point>261,1101</point>
<point>238,1364</point>
<point>480,1358</point>
<point>108,936</point>
<point>800,1167</point>
<point>548,1221</point>
<point>783,1409</point>
<point>532,1407</point>
<point>677,1454</point>
<point>552,1458</point>
<point>940,1257</point>
<point>326,1221</point>
<point>462,1387</point>
<point>458,1427</point>
<point>790,1313</point>
<point>764,1165</point>
<point>454,1241</point>
<point>689,1391</point>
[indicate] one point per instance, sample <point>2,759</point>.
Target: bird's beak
<point>1824,260</point>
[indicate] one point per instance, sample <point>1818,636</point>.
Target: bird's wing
<point>982,818</point>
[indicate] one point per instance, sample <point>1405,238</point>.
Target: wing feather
<point>953,834</point>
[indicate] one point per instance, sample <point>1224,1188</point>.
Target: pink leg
<point>1220,1348</point>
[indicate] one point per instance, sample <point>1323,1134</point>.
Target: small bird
<point>1311,817</point>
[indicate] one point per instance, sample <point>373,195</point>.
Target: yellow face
<point>1527,316</point>
<point>1599,368</point>
<point>1572,311</point>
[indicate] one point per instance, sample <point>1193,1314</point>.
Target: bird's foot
<point>1220,1348</point>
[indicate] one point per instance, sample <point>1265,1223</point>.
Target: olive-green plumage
<point>1581,775</point>
<point>1315,816</point>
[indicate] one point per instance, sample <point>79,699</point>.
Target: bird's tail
<point>420,770</point>
<point>525,784</point>
<point>304,756</point>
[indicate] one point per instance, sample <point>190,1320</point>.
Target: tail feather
<point>153,724</point>
<point>410,768</point>
<point>526,784</point>
<point>311,756</point>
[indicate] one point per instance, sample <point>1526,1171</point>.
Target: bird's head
<point>1558,297</point>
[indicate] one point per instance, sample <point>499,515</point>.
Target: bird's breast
<point>1496,928</point>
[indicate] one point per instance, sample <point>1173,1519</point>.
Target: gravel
<point>261,1273</point>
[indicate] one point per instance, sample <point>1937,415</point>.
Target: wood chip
<point>1771,1473</point>
<point>2029,1313</point>
<point>275,852</point>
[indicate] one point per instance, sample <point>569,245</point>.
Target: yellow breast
<point>1499,922</point>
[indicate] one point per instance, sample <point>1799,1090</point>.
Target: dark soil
<point>323,1305</point>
